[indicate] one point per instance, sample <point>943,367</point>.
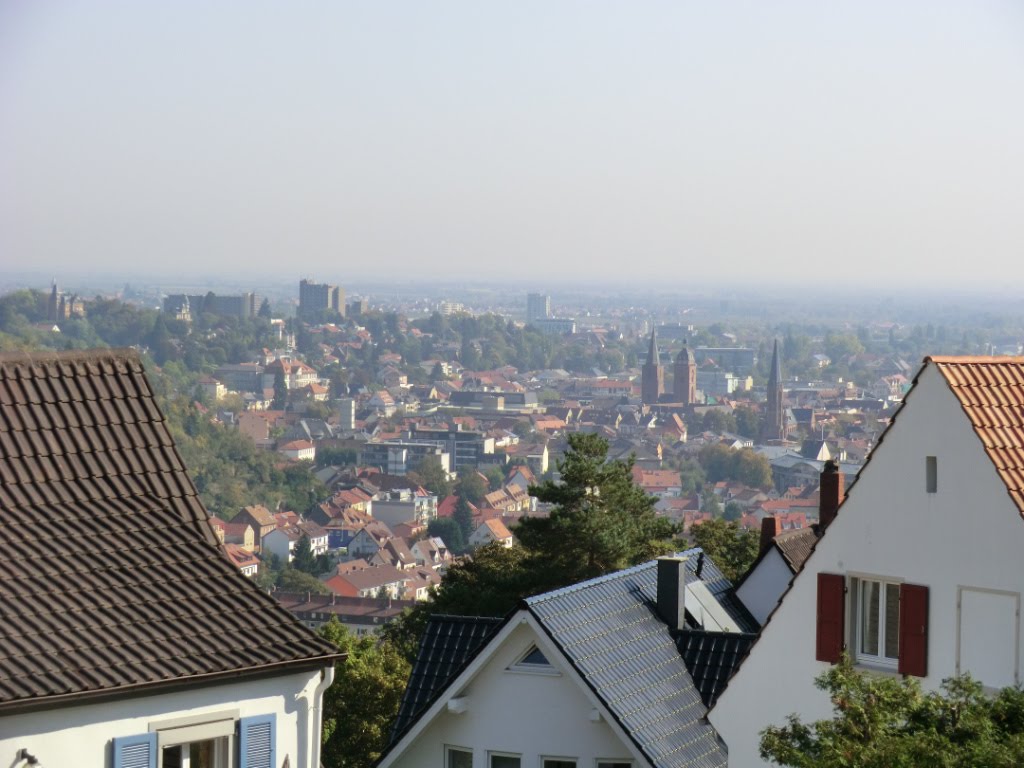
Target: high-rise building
<point>538,307</point>
<point>652,375</point>
<point>774,427</point>
<point>315,298</point>
<point>684,384</point>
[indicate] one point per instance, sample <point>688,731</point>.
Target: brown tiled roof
<point>991,392</point>
<point>112,578</point>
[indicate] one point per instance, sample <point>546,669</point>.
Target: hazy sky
<point>881,142</point>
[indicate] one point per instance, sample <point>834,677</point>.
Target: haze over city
<point>871,143</point>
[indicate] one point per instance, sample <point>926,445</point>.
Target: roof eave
<point>277,669</point>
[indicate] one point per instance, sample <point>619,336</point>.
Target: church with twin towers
<point>684,377</point>
<point>684,388</point>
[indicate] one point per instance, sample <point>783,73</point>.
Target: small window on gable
<point>614,764</point>
<point>534,661</point>
<point>534,656</point>
<point>931,474</point>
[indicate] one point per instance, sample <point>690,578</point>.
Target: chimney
<point>672,591</point>
<point>830,493</point>
<point>769,530</point>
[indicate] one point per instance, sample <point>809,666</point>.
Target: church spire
<point>652,353</point>
<point>774,427</point>
<point>652,375</point>
<point>775,376</point>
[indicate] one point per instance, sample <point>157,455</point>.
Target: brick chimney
<point>830,493</point>
<point>672,591</point>
<point>769,530</point>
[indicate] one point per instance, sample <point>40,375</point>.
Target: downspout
<point>316,718</point>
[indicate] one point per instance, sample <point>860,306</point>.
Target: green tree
<point>280,390</point>
<point>752,469</point>
<point>884,722</point>
<point>748,422</point>
<point>362,703</point>
<point>691,477</point>
<point>472,487</point>
<point>495,478</point>
<point>719,421</point>
<point>431,475</point>
<point>264,311</point>
<point>490,584</point>
<point>733,511</point>
<point>601,521</point>
<point>291,580</point>
<point>732,548</point>
<point>463,517</point>
<point>304,559</point>
<point>709,502</point>
<point>449,531</point>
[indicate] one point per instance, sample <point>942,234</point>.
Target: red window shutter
<point>831,617</point>
<point>913,630</point>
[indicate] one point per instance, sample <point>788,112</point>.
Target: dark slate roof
<point>609,630</point>
<point>112,578</point>
<point>796,546</point>
<point>712,657</point>
<point>447,645</point>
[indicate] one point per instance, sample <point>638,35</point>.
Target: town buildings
<point>315,298</point>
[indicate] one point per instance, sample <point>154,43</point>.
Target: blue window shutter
<point>257,741</point>
<point>135,751</point>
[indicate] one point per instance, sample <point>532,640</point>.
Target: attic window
<point>534,656</point>
<point>533,661</point>
<point>931,474</point>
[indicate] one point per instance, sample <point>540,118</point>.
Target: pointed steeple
<point>775,376</point>
<point>652,353</point>
<point>774,426</point>
<point>652,375</point>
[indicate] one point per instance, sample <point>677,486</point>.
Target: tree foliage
<point>463,517</point>
<point>431,475</point>
<point>472,487</point>
<point>742,466</point>
<point>732,548</point>
<point>361,704</point>
<point>449,531</point>
<point>601,521</point>
<point>884,722</point>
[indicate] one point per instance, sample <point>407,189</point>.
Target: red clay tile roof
<point>991,392</point>
<point>113,577</point>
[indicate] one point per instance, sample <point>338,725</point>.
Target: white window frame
<point>186,730</point>
<point>855,606</point>
<point>546,670</point>
<point>491,754</point>
<point>449,748</point>
<point>561,759</point>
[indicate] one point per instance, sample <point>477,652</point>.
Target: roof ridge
<point>52,355</point>
<point>633,569</point>
<point>974,359</point>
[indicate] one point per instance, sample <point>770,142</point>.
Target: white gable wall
<point>968,534</point>
<point>82,736</point>
<point>523,713</point>
<point>761,589</point>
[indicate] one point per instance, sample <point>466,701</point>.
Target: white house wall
<point>530,714</point>
<point>761,590</point>
<point>968,534</point>
<point>81,736</point>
